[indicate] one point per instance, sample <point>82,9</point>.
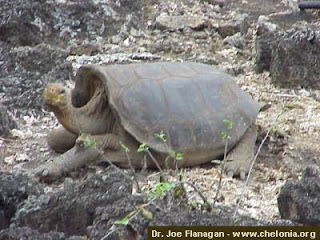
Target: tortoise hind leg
<point>61,140</point>
<point>239,158</point>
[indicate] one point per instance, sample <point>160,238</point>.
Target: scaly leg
<point>239,158</point>
<point>76,157</point>
<point>61,140</point>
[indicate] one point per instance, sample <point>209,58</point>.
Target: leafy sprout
<point>147,214</point>
<point>143,148</point>
<point>176,156</point>
<point>122,222</point>
<point>228,123</point>
<point>124,147</point>
<point>179,156</point>
<point>160,190</point>
<point>225,134</point>
<point>88,141</point>
<point>161,136</point>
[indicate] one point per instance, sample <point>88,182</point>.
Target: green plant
<point>123,221</point>
<point>229,125</point>
<point>143,148</point>
<point>172,154</point>
<point>127,150</point>
<point>124,147</point>
<point>161,136</point>
<point>160,190</point>
<point>225,136</point>
<point>88,141</point>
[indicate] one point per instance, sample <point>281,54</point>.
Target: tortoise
<point>129,103</point>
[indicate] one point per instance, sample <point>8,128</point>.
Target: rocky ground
<point>222,33</point>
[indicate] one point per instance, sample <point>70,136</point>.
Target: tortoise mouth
<point>55,95</point>
<point>86,87</point>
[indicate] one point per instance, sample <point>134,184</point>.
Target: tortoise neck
<point>64,116</point>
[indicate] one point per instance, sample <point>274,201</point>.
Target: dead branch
<point>252,164</point>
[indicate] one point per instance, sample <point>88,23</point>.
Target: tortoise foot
<point>237,168</point>
<point>47,172</point>
<point>240,157</point>
<point>75,158</point>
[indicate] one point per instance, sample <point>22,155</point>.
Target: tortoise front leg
<point>239,158</point>
<point>61,140</point>
<point>76,157</point>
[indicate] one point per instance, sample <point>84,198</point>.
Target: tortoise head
<point>55,96</point>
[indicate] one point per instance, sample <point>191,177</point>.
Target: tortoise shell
<point>188,102</point>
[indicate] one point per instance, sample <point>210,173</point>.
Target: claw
<point>242,175</point>
<point>230,174</point>
<point>45,173</point>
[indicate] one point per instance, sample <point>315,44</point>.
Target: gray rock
<point>88,49</point>
<point>56,22</point>
<point>176,23</point>
<point>72,210</point>
<point>295,59</point>
<point>116,39</point>
<point>35,39</point>
<point>265,37</point>
<point>289,50</point>
<point>28,69</point>
<point>237,40</point>
<point>240,23</point>
<point>16,233</point>
<point>299,200</point>
<point>6,122</point>
<point>164,214</point>
<point>220,3</point>
<point>91,207</point>
<point>14,189</point>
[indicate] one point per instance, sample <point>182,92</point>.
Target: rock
<point>28,59</point>
<point>176,23</point>
<point>88,49</point>
<point>114,57</point>
<point>237,40</point>
<point>74,206</point>
<point>16,233</point>
<point>295,58</point>
<point>238,23</point>
<point>14,189</point>
<point>35,40</point>
<point>299,200</point>
<point>288,46</point>
<point>220,3</point>
<point>28,23</point>
<point>265,36</point>
<point>28,69</point>
<point>91,208</point>
<point>116,39</point>
<point>176,214</point>
<point>104,218</point>
<point>6,122</point>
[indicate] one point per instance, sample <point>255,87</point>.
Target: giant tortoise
<point>129,103</point>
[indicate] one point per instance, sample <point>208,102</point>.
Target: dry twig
<point>133,172</point>
<point>252,164</point>
<point>222,170</point>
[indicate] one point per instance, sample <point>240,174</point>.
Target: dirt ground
<point>293,116</point>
